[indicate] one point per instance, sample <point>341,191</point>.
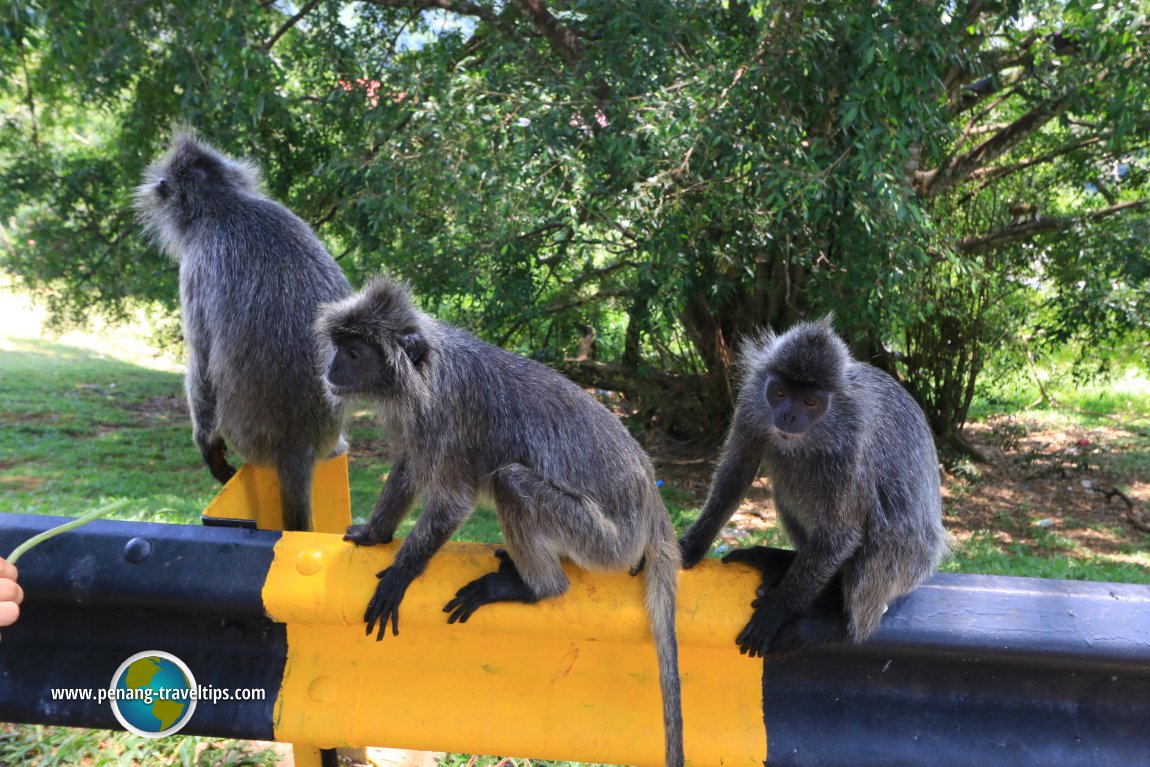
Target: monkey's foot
<point>503,585</point>
<point>361,535</point>
<point>809,630</point>
<point>772,563</point>
<point>384,604</point>
<point>769,616</point>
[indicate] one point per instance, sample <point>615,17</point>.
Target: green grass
<point>462,760</point>
<point>1121,402</point>
<point>78,429</point>
<point>1060,557</point>
<point>1124,395</point>
<point>38,746</point>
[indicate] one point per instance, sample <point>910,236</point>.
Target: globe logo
<point>153,694</point>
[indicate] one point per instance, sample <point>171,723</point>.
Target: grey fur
<point>568,480</point>
<point>858,494</point>
<point>252,276</point>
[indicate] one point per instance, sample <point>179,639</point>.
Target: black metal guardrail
<point>967,670</point>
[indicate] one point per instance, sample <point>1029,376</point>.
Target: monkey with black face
<point>855,478</point>
<point>567,479</point>
<point>252,276</point>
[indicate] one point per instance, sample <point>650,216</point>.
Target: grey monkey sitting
<point>855,478</point>
<point>252,276</point>
<point>568,480</point>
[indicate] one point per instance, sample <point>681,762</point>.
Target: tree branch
<point>987,176</point>
<point>29,98</point>
<point>583,301</point>
<point>1030,229</point>
<point>303,11</point>
<point>564,41</point>
<point>932,183</point>
<point>966,95</point>
<point>459,7</point>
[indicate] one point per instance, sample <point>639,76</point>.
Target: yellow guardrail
<point>570,678</point>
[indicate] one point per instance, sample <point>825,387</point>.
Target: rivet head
<point>309,562</point>
<point>321,689</point>
<point>137,550</point>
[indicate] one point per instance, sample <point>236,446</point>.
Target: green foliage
<point>672,175</point>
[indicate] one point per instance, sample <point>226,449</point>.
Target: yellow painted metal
<point>254,494</point>
<point>569,678</point>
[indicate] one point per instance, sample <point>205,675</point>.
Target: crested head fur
<point>192,179</point>
<point>808,354</point>
<point>381,314</point>
<point>383,310</point>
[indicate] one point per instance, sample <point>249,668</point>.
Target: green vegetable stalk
<point>39,538</point>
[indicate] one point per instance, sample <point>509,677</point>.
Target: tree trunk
<point>954,442</point>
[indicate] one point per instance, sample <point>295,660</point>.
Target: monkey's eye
<point>352,353</point>
<point>809,402</point>
<point>780,393</point>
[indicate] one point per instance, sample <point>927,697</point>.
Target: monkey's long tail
<point>661,583</point>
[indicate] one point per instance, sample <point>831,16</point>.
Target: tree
<point>662,177</point>
<point>1044,111</point>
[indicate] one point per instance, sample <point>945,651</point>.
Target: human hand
<point>11,595</point>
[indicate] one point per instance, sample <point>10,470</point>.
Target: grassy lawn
<point>88,418</point>
<point>1067,488</point>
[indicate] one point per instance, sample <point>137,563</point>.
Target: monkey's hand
<point>213,453</point>
<point>691,551</point>
<point>503,585</point>
<point>362,535</point>
<point>769,616</point>
<point>384,604</point>
<point>772,563</point>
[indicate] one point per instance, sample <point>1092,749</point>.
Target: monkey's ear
<point>413,346</point>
